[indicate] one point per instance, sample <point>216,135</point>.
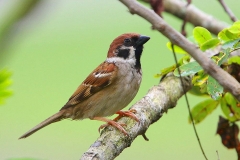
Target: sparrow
<point>108,89</point>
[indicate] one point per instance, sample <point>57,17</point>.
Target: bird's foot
<point>130,113</point>
<point>119,126</point>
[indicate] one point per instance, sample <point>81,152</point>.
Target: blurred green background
<point>55,47</point>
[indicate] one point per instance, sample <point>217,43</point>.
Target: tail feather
<point>54,118</point>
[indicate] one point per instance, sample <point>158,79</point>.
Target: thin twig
<point>188,2</point>
<point>217,155</point>
<point>188,105</point>
<point>157,6</point>
<point>183,31</point>
<point>228,10</point>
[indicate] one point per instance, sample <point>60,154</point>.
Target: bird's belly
<point>117,102</point>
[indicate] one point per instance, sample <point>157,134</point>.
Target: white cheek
<point>132,52</point>
<point>131,61</point>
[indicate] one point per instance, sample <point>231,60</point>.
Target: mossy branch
<point>149,109</point>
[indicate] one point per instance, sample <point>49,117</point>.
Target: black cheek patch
<point>124,53</point>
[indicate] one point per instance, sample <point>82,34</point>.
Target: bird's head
<point>128,47</point>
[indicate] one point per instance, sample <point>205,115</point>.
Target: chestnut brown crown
<point>127,40</point>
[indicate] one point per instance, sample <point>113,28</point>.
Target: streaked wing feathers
<point>100,78</point>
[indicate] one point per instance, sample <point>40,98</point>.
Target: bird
<point>108,88</point>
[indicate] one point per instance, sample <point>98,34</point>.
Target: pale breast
<point>114,97</point>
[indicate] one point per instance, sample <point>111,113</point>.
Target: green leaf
<point>195,90</point>
<point>237,23</point>
<point>203,88</point>
<point>177,49</point>
<point>5,93</point>
<point>232,34</point>
<point>4,83</point>
<point>202,110</point>
<point>200,78</point>
<point>222,35</point>
<point>225,54</point>
<point>234,59</point>
<point>209,44</point>
<point>230,107</point>
<point>227,110</point>
<point>234,104</point>
<point>165,71</point>
<point>188,69</point>
<point>4,74</point>
<point>237,45</point>
<point>201,35</point>
<point>214,89</point>
<point>230,44</point>
<point>185,59</point>
<point>234,29</point>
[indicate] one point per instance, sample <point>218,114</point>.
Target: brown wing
<point>100,78</point>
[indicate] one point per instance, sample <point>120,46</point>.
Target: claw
<point>113,122</point>
<point>107,124</point>
<point>119,126</point>
<point>129,113</point>
<point>102,126</point>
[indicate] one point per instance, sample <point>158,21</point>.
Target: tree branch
<point>149,109</point>
<point>228,82</point>
<point>228,11</point>
<point>193,15</point>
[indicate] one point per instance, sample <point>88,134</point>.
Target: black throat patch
<point>138,53</point>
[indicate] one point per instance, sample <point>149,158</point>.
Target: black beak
<point>141,40</point>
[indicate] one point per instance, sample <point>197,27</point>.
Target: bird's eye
<point>127,40</point>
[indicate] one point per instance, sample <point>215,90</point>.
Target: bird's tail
<point>54,118</point>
